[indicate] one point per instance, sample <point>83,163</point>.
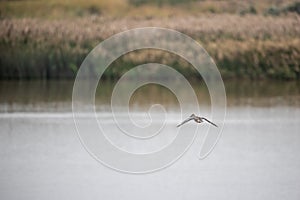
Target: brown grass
<point>253,45</point>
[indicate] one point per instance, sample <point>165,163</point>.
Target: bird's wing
<point>185,121</point>
<point>209,121</point>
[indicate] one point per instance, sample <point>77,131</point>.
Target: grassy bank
<point>50,39</point>
<point>253,46</point>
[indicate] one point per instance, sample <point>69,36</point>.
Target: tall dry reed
<point>252,46</point>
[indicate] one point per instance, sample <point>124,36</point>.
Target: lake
<point>257,156</point>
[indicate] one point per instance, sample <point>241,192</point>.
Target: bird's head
<point>192,115</point>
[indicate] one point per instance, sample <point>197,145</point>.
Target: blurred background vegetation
<point>42,39</point>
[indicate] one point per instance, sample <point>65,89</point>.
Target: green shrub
<point>94,10</point>
<point>295,7</point>
<point>251,10</point>
<point>273,10</point>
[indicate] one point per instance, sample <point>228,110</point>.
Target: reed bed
<point>253,46</point>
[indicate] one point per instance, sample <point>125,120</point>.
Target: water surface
<point>257,157</point>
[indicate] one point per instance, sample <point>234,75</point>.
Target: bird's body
<point>196,119</point>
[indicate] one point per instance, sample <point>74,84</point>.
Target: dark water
<point>257,156</point>
<point>56,96</point>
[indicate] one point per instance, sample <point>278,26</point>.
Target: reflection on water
<point>52,96</point>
